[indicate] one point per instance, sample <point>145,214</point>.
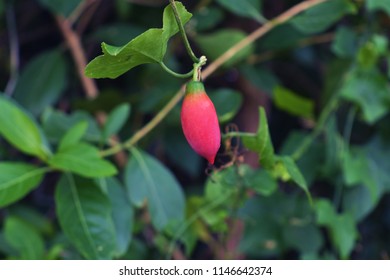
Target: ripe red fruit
<point>200,122</point>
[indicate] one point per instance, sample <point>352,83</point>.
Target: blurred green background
<point>322,78</point>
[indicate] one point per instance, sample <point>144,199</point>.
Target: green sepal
<point>195,87</point>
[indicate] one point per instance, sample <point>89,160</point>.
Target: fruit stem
<point>183,32</point>
<point>198,68</point>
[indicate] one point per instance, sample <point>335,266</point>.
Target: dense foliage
<point>94,163</point>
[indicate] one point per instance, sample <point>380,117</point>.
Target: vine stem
<point>147,128</point>
<point>332,104</point>
<point>345,148</point>
<point>258,33</point>
<point>74,43</point>
<point>183,32</point>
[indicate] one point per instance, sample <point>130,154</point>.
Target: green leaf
<point>295,173</point>
<point>56,124</point>
<point>115,121</point>
<point>388,65</point>
<point>17,180</point>
<point>149,47</point>
<point>358,202</point>
<point>170,27</point>
<point>372,50</point>
<point>260,77</point>
<point>222,184</point>
<point>180,153</point>
<point>207,18</point>
<point>369,89</point>
<point>84,213</point>
<point>282,37</point>
<point>322,16</point>
<point>368,166</point>
<point>227,102</point>
<point>63,7</point>
<point>344,234</point>
<point>325,212</point>
<point>258,180</point>
<point>293,103</point>
<point>148,180</point>
<point>261,142</point>
<point>356,167</point>
<point>5,247</point>
<point>373,5</point>
<point>245,8</point>
<point>23,238</point>
<point>82,159</point>
<point>290,171</point>
<point>342,227</point>
<point>308,162</point>
<point>215,44</point>
<point>333,148</point>
<point>122,214</point>
<point>345,42</point>
<point>34,217</point>
<point>35,94</point>
<point>222,191</point>
<point>306,238</point>
<point>74,135</point>
<point>266,219</point>
<point>18,128</point>
<point>219,190</point>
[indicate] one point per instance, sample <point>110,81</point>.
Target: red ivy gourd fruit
<point>200,122</point>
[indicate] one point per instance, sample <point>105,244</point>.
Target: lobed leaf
<point>342,227</point>
<point>259,180</point>
<point>149,47</point>
<point>369,89</point>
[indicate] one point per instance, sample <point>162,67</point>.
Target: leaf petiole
<point>175,74</point>
<point>183,32</point>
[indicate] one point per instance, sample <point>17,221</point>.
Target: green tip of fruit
<point>194,87</point>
